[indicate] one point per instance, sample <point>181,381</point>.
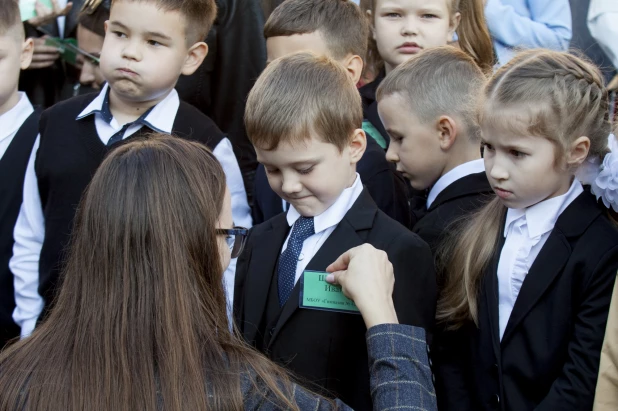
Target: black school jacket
<point>458,199</point>
<point>548,358</point>
<point>328,348</point>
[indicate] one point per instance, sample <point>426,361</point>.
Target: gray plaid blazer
<point>400,375</point>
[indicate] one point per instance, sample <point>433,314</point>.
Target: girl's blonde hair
<point>473,34</point>
<point>548,94</point>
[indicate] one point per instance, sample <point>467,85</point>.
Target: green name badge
<point>317,294</point>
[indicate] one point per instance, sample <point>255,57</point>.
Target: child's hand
<point>44,55</point>
<point>366,276</point>
<point>46,15</point>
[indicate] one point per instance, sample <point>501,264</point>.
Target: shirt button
<point>301,257</point>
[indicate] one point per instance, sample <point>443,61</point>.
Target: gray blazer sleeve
<point>399,369</point>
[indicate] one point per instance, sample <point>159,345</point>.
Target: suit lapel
<point>264,257</point>
<point>552,258</point>
<point>348,234</point>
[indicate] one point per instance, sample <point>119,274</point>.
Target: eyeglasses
<point>235,238</point>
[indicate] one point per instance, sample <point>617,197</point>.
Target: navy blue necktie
<point>303,229</point>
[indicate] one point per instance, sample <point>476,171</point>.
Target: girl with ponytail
<point>530,277</point>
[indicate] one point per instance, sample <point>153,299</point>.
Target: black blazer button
<point>272,331</point>
<point>494,401</point>
<point>495,371</point>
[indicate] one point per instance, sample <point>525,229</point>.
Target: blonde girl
<point>403,28</point>
<point>530,277</point>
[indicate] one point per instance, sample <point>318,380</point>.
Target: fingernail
<point>330,278</point>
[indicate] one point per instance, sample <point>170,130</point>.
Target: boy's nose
<point>131,51</point>
<point>391,154</point>
<point>291,186</point>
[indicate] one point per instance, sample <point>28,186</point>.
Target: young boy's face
<point>144,51</point>
<point>92,43</point>
<point>15,55</point>
<point>414,146</point>
<point>311,175</point>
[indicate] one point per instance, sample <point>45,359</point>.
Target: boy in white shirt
<point>18,130</point>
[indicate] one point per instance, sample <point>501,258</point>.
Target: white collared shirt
<point>324,224</point>
<point>526,231</point>
<point>12,120</point>
<point>29,230</point>
<point>461,171</point>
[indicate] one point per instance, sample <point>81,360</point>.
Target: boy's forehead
<point>280,46</point>
<point>147,16</point>
<point>297,151</point>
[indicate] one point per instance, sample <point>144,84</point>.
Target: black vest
<point>12,169</point>
<point>69,155</point>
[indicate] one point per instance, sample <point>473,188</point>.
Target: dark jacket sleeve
<point>219,88</point>
<point>400,375</point>
<point>242,266</point>
<point>415,292</point>
<point>574,388</point>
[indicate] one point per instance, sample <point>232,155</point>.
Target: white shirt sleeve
<point>603,26</point>
<point>241,213</point>
<point>29,234</point>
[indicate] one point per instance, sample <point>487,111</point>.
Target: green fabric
<point>368,128</point>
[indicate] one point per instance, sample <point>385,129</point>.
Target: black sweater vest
<point>69,155</point>
<point>12,169</point>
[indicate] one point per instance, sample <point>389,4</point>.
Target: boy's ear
<point>447,132</point>
<point>453,27</point>
<point>27,50</point>
<point>195,56</point>
<point>578,151</point>
<point>358,144</point>
<point>354,65</point>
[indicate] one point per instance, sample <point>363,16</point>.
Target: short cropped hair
<point>301,95</point>
<point>199,14</point>
<point>9,15</point>
<point>341,22</point>
<point>439,81</point>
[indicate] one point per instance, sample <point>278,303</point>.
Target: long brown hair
<point>473,34</point>
<point>557,96</point>
<point>140,322</point>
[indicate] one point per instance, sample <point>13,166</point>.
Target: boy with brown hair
<point>18,130</point>
<point>339,30</point>
<point>428,107</point>
<point>304,117</point>
<point>148,45</point>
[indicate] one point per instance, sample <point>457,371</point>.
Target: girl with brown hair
<point>140,321</point>
<point>530,277</point>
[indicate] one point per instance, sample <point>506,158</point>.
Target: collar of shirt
<point>159,118</point>
<point>461,171</point>
<point>335,213</point>
<point>541,218</point>
<point>13,119</point>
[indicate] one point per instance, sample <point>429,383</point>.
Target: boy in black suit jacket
<point>339,30</point>
<point>18,129</point>
<point>303,116</point>
<point>427,106</point>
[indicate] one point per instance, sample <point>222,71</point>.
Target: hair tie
<point>605,185</point>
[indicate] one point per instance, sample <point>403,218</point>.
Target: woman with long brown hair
<point>140,320</point>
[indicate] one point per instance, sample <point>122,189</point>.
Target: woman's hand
<point>366,276</point>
